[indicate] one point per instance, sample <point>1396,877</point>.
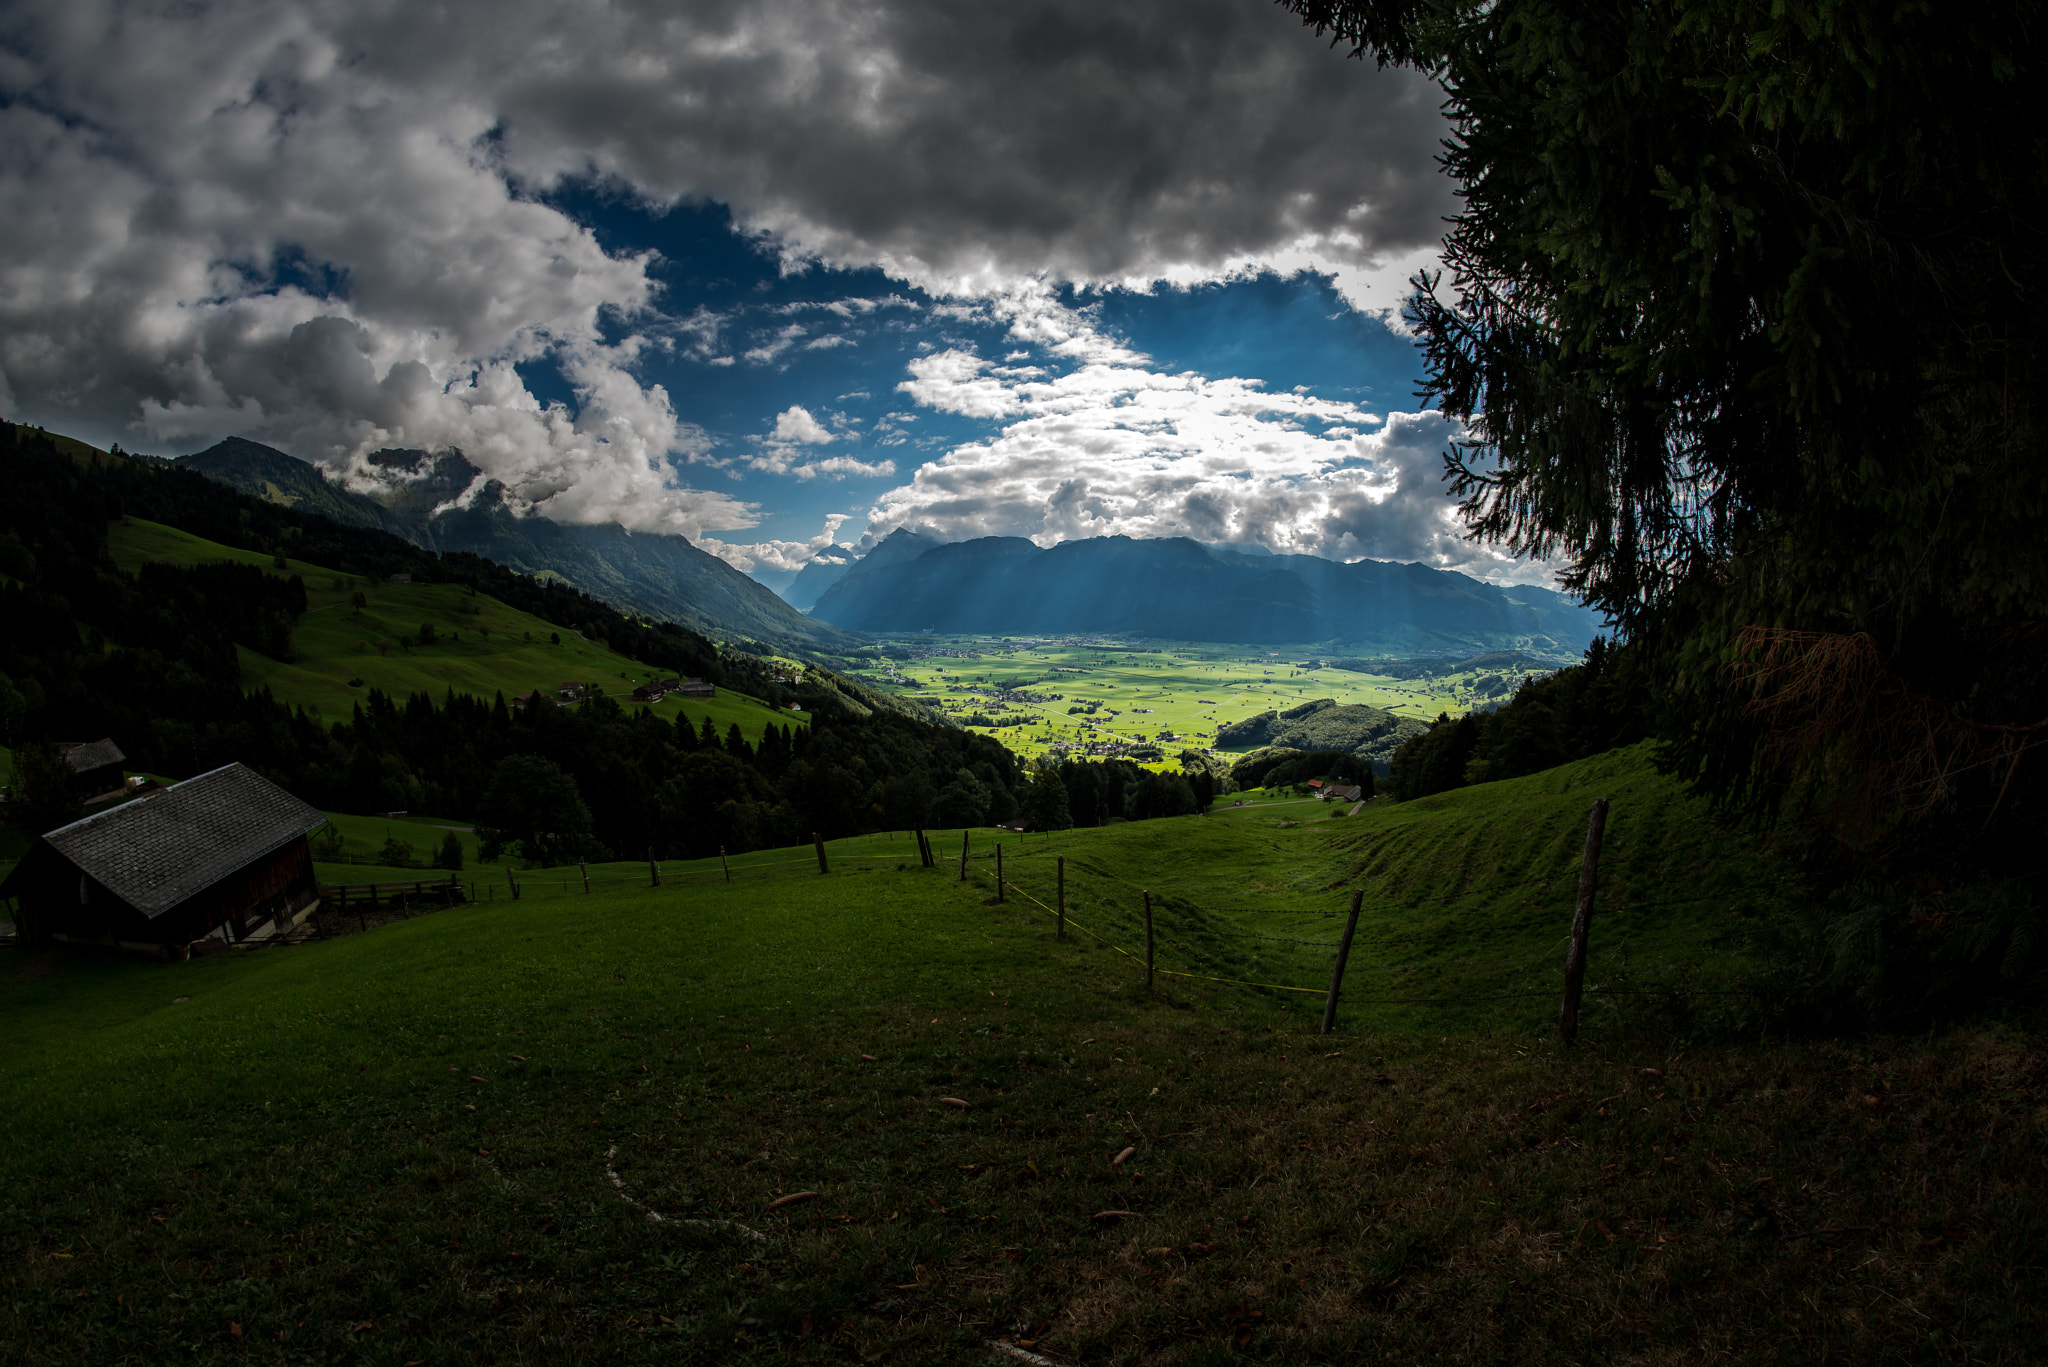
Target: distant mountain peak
<point>448,472</point>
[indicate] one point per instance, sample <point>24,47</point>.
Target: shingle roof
<point>94,754</point>
<point>155,852</point>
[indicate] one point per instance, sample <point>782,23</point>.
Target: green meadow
<point>1187,688</point>
<point>483,647</point>
<point>568,1127</point>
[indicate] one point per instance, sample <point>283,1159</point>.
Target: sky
<point>767,274</point>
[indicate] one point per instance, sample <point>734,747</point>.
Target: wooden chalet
<point>697,688</point>
<point>95,766</point>
<point>647,693</point>
<point>223,855</point>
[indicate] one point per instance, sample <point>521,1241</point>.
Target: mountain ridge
<point>1178,589</point>
<point>661,574</point>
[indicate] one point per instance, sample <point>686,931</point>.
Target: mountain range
<point>1179,589</point>
<point>1171,588</point>
<point>664,576</point>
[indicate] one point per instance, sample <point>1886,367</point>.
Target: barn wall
<point>279,883</point>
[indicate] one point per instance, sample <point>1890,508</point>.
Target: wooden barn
<point>95,766</point>
<point>221,855</point>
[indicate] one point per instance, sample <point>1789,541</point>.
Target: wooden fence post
<point>999,872</point>
<point>1337,973</point>
<point>1582,924</point>
<point>1060,933</point>
<point>585,870</point>
<point>653,871</point>
<point>924,853</point>
<point>818,843</point>
<point>1148,940</point>
<point>723,865</point>
<point>963,856</point>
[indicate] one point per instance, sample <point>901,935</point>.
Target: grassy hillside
<point>486,646</point>
<point>447,1139</point>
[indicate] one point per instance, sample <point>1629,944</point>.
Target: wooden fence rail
<point>344,895</point>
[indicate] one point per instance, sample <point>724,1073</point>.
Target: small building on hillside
<point>647,693</point>
<point>400,579</point>
<point>530,699</point>
<point>223,855</point>
<point>95,766</point>
<point>697,688</point>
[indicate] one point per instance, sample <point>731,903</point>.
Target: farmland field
<point>1171,694</point>
<point>568,1128</point>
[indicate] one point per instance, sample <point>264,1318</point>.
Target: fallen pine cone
<point>1118,1161</point>
<point>791,1199</point>
<point>869,1058</point>
<point>1113,1214</point>
<point>474,1078</point>
<point>952,1101</point>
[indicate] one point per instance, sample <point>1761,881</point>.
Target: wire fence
<point>1548,959</point>
<point>1205,963</point>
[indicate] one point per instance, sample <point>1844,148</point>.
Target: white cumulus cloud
<point>775,555</point>
<point>1111,446</point>
<point>796,424</point>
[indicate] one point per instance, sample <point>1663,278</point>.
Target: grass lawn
<point>447,1140</point>
<point>484,646</point>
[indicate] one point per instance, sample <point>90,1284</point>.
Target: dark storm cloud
<point>324,224</point>
<point>960,142</point>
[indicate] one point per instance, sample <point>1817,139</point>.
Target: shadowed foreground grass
<point>445,1142</point>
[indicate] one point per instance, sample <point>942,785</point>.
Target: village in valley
<point>1146,701</point>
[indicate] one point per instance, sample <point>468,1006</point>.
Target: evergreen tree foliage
<point>1743,321</point>
<point>534,804</point>
<point>1584,710</point>
<point>1044,805</point>
<point>1158,795</point>
<point>44,794</point>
